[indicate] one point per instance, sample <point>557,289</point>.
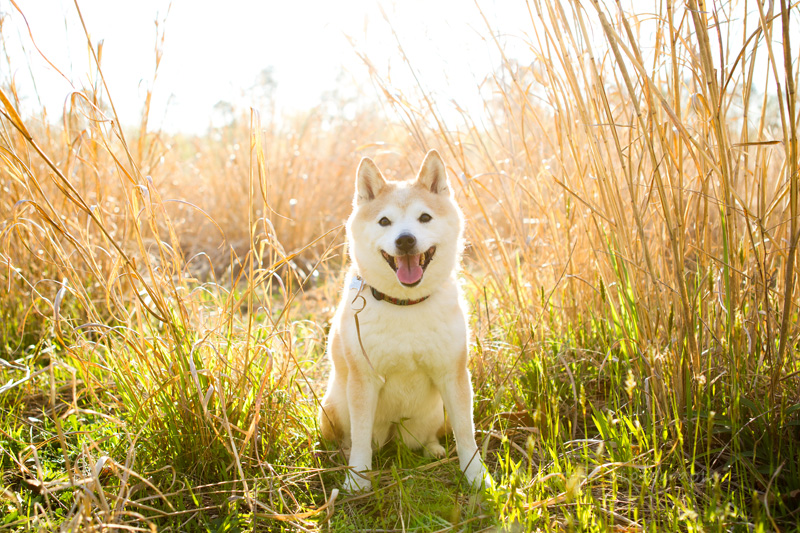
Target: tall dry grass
<point>637,170</point>
<point>633,213</point>
<point>150,292</point>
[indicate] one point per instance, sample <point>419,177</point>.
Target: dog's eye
<point>425,217</point>
<point>384,221</point>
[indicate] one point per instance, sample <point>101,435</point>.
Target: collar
<point>378,295</point>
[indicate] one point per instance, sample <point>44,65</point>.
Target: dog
<point>398,340</point>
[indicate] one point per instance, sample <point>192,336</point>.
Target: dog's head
<point>405,237</point>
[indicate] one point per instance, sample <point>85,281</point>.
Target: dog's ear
<point>369,181</point>
<point>432,174</point>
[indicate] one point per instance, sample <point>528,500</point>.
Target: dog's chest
<point>407,339</point>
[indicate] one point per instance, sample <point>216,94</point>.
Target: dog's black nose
<point>405,242</point>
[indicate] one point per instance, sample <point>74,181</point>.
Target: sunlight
<point>211,55</point>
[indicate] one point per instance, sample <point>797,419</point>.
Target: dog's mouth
<point>409,268</point>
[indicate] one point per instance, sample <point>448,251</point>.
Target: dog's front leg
<point>362,401</point>
<point>456,392</point>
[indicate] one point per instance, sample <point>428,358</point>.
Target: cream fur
<point>416,356</point>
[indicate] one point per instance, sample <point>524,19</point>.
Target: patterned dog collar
<point>378,295</point>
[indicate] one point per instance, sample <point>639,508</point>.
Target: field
<point>631,195</point>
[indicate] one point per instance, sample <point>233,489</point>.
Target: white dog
<point>398,341</point>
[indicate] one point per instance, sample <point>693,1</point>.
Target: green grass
<point>572,437</point>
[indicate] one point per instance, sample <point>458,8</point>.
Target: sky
<point>212,54</point>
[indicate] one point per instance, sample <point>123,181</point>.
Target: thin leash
<point>358,326</point>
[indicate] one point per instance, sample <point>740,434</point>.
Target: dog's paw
<point>477,476</point>
<point>434,449</point>
<point>356,482</point>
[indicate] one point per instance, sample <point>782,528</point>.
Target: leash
<point>358,326</point>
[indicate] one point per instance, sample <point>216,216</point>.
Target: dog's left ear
<point>369,181</point>
<point>432,174</point>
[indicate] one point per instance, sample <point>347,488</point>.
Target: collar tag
<point>355,283</point>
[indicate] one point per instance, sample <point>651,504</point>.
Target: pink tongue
<point>408,269</point>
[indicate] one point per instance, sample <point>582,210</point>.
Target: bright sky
<point>214,54</point>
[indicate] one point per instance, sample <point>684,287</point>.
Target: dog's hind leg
<point>334,419</point>
<point>422,430</point>
<point>334,416</point>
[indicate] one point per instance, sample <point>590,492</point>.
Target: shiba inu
<point>398,341</point>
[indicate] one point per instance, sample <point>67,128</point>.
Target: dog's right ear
<point>369,181</point>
